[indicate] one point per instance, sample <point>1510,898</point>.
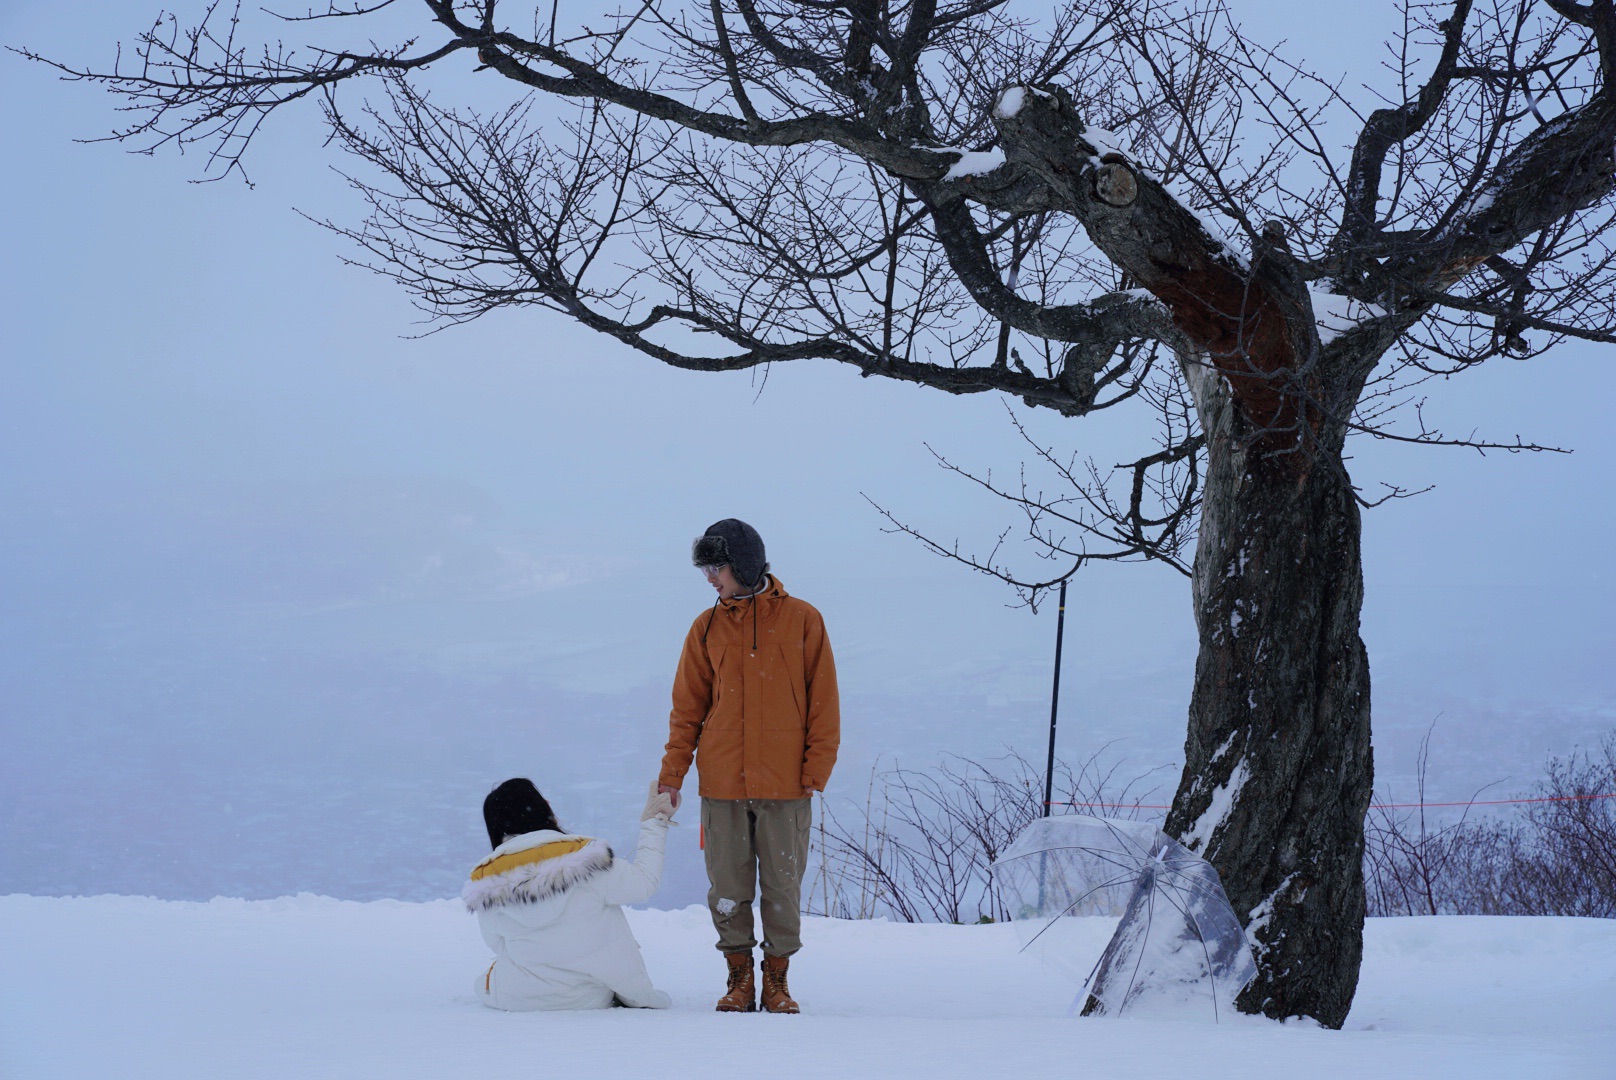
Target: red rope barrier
<point>1372,806</point>
<point>1489,802</point>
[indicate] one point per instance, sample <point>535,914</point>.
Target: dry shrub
<point>1556,856</point>
<point>920,848</point>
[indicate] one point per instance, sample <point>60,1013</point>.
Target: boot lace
<point>774,982</point>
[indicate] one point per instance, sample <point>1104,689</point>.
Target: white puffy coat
<point>549,905</point>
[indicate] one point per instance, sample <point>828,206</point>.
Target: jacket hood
<point>534,866</point>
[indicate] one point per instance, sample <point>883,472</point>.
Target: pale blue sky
<point>257,540</point>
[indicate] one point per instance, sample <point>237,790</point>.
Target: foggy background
<point>284,591</point>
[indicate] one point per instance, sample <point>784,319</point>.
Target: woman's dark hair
<point>514,808</point>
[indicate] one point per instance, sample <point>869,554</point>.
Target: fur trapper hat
<point>734,543</point>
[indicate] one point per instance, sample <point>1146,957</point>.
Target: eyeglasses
<point>712,572</point>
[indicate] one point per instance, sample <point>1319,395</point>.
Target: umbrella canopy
<point>1177,944</point>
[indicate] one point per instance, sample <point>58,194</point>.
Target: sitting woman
<point>548,904</point>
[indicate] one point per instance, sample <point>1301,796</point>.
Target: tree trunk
<point>1277,763</point>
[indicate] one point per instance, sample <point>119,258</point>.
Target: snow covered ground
<point>309,986</point>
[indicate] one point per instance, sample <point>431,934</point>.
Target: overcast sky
<point>260,547</point>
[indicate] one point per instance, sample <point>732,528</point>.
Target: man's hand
<point>664,789</point>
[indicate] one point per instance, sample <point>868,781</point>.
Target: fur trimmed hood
<point>534,866</point>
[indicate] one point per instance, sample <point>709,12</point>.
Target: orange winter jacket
<point>754,700</point>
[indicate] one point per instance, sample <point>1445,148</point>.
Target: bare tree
<point>1117,201</point>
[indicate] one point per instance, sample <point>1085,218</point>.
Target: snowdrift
<point>308,986</point>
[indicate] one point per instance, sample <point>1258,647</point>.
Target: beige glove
<point>658,805</point>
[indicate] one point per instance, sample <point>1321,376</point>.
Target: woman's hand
<point>659,804</point>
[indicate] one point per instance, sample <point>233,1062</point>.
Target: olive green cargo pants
<point>753,842</point>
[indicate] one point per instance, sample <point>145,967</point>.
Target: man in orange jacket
<point>755,706</point>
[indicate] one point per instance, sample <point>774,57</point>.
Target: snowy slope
<point>308,986</point>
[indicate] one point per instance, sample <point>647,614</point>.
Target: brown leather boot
<point>742,993</point>
<point>776,994</point>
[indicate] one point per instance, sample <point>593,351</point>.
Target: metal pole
<point>1054,701</point>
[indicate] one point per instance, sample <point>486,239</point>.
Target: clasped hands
<point>661,803</point>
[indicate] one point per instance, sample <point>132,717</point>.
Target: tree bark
<point>1277,763</point>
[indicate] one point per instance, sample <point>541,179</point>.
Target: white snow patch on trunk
<point>1010,102</point>
<point>1106,142</point>
<point>1218,809</point>
<point>1145,294</point>
<point>1336,314</point>
<point>1263,914</point>
<point>1212,228</point>
<point>975,163</point>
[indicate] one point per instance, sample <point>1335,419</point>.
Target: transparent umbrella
<point>1177,946</point>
